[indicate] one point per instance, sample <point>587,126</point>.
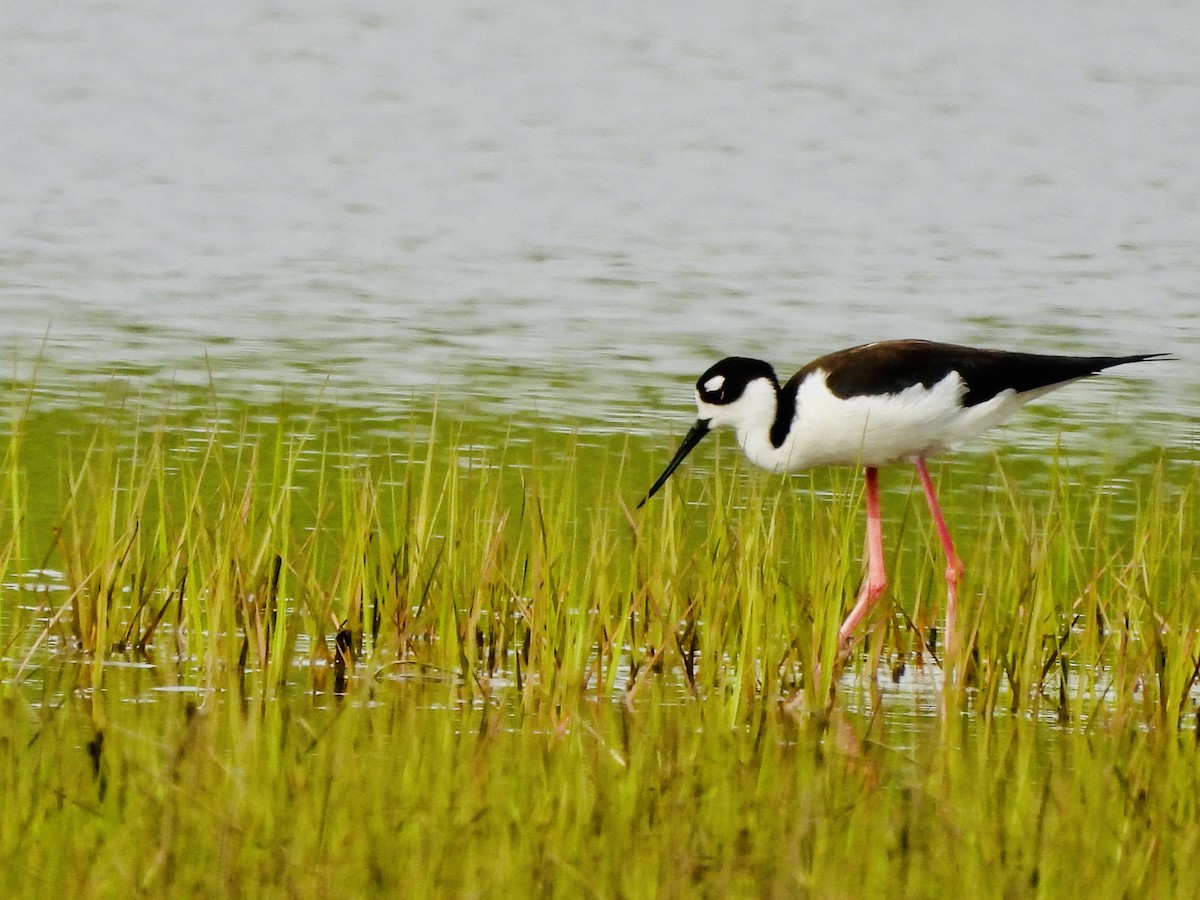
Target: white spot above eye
<point>714,384</point>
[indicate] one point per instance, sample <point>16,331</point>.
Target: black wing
<point>889,367</point>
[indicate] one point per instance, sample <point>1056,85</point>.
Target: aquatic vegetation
<point>286,651</point>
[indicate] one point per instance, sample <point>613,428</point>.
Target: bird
<point>873,405</point>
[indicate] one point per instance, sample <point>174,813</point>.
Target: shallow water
<point>556,217</point>
<point>574,211</point>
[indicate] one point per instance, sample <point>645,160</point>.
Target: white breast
<point>873,430</point>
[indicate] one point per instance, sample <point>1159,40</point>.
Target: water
<point>556,215</point>
<point>574,209</point>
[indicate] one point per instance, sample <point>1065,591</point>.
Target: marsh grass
<point>256,651</point>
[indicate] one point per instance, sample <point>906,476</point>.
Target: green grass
<point>278,653</point>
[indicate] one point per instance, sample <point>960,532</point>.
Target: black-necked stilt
<point>872,405</point>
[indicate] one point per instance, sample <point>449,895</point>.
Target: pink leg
<point>954,566</point>
<point>876,582</point>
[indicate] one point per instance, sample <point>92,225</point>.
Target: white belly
<point>877,429</point>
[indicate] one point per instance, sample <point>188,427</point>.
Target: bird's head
<point>733,393</point>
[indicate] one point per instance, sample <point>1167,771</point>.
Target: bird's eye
<point>713,390</point>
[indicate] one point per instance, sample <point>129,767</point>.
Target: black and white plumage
<point>872,405</point>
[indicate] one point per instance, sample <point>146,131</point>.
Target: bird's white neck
<point>752,421</point>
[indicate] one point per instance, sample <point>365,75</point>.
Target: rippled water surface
<point>348,326</point>
<point>575,208</point>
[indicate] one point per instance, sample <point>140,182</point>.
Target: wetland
<point>340,342</point>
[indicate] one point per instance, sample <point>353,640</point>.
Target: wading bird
<point>872,405</point>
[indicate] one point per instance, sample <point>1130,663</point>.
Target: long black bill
<point>690,440</point>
